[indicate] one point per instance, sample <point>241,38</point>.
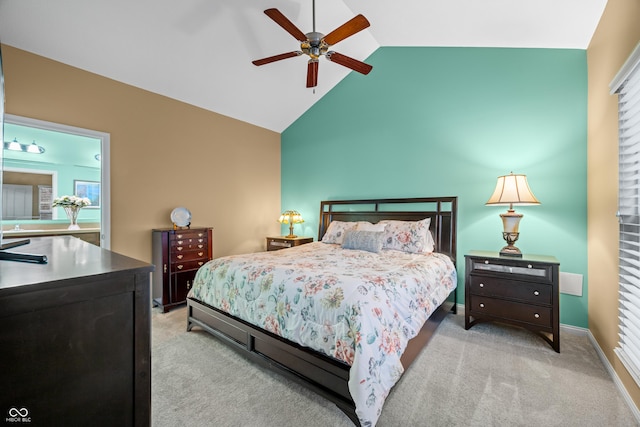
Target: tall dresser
<point>75,337</point>
<point>177,255</point>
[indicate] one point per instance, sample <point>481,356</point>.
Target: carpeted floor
<point>491,375</point>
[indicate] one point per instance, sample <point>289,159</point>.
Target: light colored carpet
<point>491,375</point>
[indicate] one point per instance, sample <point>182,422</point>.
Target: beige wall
<point>617,34</point>
<point>164,154</point>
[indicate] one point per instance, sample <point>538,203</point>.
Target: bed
<point>344,367</point>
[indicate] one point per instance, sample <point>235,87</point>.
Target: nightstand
<point>283,242</point>
<point>519,291</point>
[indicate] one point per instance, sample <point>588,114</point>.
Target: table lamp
<point>291,218</point>
<point>512,189</point>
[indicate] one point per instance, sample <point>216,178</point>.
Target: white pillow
<point>336,230</point>
<point>367,226</point>
<point>408,236</point>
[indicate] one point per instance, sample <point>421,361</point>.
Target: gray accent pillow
<point>363,240</point>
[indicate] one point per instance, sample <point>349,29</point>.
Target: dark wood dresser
<point>177,255</point>
<point>283,242</point>
<point>75,336</point>
<point>520,291</point>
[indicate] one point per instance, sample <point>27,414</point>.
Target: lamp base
<point>510,249</point>
<point>291,236</point>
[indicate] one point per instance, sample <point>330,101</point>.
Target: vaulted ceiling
<point>200,51</point>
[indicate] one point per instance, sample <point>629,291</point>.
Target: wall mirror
<point>44,160</point>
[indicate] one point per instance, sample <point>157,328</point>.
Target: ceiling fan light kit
<point>315,44</point>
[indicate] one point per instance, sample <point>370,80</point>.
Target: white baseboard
<point>614,377</point>
<point>607,365</point>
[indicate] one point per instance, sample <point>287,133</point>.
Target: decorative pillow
<point>408,236</point>
<point>363,240</point>
<point>367,226</point>
<point>336,230</point>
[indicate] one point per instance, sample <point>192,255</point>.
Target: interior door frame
<point>105,164</point>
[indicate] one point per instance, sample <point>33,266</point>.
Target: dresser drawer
<point>188,244</point>
<point>187,265</point>
<point>510,310</point>
<point>538,272</point>
<point>189,255</point>
<point>529,292</point>
<point>188,234</point>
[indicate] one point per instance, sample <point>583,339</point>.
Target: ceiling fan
<point>317,44</point>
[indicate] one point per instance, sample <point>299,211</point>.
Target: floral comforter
<point>356,306</point>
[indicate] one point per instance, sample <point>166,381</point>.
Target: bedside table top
<point>524,257</point>
<point>290,238</point>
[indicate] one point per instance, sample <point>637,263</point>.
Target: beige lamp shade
<point>512,189</point>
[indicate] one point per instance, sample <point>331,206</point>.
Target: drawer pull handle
<point>180,256</point>
<point>179,242</point>
<point>200,240</point>
<point>180,267</point>
<point>200,246</point>
<point>200,253</point>
<point>482,285</point>
<point>188,285</point>
<point>200,262</point>
<point>486,261</point>
<point>165,268</point>
<point>179,248</point>
<point>536,293</point>
<point>537,316</point>
<point>179,236</point>
<point>481,305</point>
<point>529,266</point>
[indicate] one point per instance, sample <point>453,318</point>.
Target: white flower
<point>73,201</point>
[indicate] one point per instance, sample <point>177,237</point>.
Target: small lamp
<point>512,189</point>
<point>291,217</point>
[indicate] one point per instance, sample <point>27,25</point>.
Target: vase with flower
<point>71,206</point>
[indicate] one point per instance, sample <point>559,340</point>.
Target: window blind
<point>627,86</point>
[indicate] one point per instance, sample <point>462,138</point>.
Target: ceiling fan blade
<point>312,73</point>
<point>347,29</point>
<point>284,22</point>
<point>275,58</point>
<point>349,62</point>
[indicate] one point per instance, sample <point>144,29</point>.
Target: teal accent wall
<point>448,122</point>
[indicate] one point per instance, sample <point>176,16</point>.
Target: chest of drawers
<point>519,291</point>
<point>177,255</point>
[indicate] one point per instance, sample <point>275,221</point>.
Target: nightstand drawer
<point>528,292</point>
<point>506,268</point>
<point>279,244</point>
<point>511,310</point>
<point>283,242</point>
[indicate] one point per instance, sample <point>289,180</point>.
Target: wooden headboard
<point>441,210</point>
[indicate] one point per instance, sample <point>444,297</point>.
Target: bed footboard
<point>324,375</point>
